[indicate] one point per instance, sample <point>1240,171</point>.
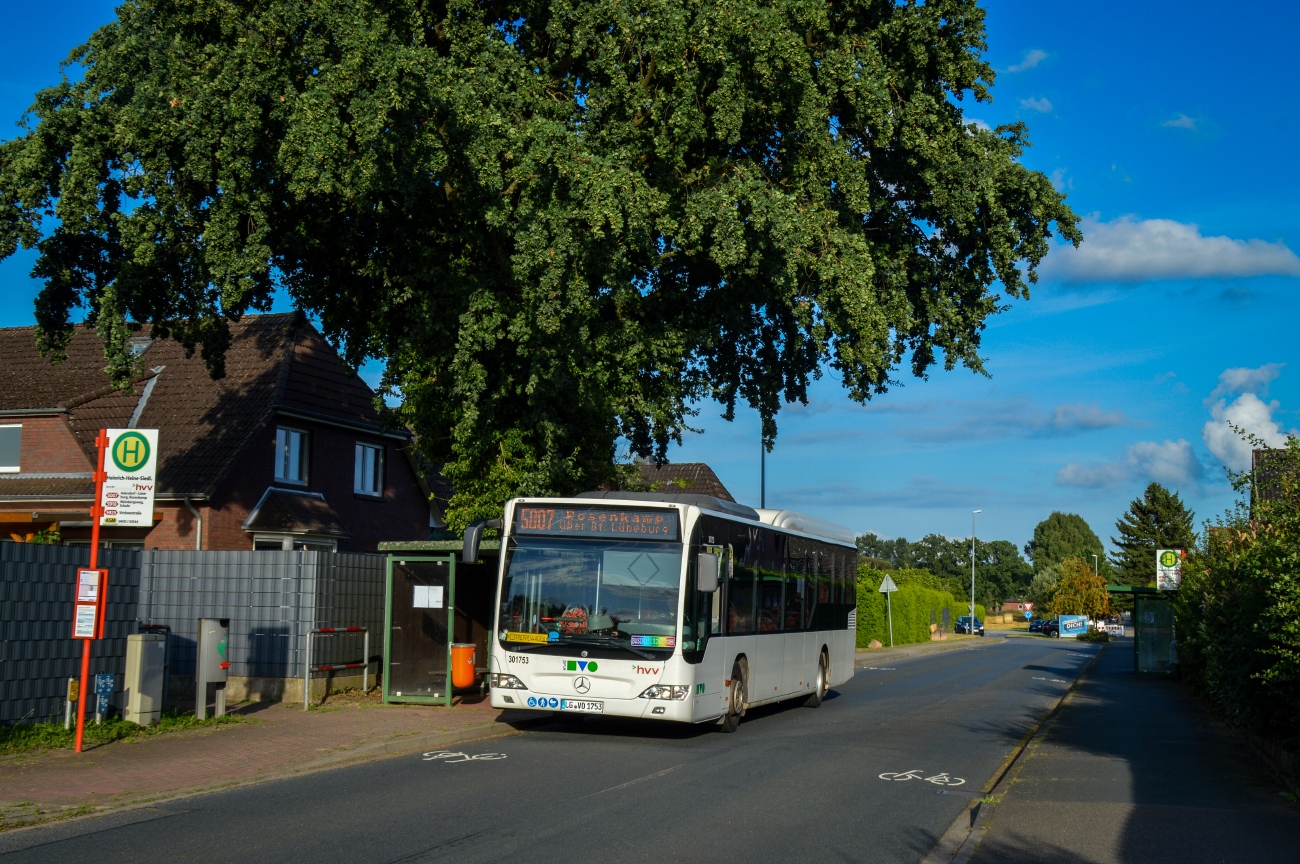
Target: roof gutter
<point>32,412</point>
<point>330,420</point>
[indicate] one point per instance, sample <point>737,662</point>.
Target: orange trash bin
<point>463,674</point>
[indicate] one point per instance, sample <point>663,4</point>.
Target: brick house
<point>287,451</point>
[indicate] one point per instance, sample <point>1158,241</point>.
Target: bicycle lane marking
<point>940,779</point>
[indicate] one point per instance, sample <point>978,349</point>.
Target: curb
<point>963,836</point>
<point>362,753</point>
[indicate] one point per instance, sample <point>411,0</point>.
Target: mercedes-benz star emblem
<point>581,684</point>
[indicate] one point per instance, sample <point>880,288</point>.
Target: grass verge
<point>37,737</point>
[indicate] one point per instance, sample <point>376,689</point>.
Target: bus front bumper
<point>597,706</point>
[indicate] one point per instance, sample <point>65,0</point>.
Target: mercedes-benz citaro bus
<point>668,606</point>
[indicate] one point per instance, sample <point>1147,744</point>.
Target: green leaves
<point>559,223</point>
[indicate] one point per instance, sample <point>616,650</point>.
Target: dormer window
<point>290,455</point>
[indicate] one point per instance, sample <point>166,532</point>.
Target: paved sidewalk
<point>279,739</point>
<point>1136,770</point>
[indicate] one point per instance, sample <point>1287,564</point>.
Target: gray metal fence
<point>37,653</point>
<point>272,599</point>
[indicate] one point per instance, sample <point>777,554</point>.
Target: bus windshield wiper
<point>607,641</point>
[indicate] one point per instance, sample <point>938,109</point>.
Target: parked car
<point>1036,625</point>
<point>1052,628</point>
<point>963,625</point>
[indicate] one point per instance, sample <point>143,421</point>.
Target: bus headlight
<point>506,682</point>
<point>666,691</point>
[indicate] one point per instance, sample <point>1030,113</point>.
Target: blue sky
<point>1173,128</point>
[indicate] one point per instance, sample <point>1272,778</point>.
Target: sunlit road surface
<point>792,782</point>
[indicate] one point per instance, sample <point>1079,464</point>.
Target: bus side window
<point>740,601</point>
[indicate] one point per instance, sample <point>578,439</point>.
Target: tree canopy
<point>1066,535</point>
<point>1156,520</point>
<point>558,223</point>
<point>1000,571</point>
<point>1079,592</point>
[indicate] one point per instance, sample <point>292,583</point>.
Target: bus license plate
<point>584,707</point>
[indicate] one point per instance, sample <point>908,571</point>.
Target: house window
<point>291,543</point>
<point>290,455</point>
<point>11,447</point>
<point>368,472</point>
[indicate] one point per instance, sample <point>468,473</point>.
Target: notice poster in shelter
<point>130,469</point>
<point>428,597</point>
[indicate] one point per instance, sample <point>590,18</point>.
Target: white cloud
<point>1036,105</point>
<point>1245,380</point>
<point>1250,414</point>
<point>1079,416</point>
<point>1031,59</point>
<point>978,124</point>
<point>1134,250</point>
<point>1170,462</point>
<point>1182,121</point>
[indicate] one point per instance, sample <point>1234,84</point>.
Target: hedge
<point>913,605</point>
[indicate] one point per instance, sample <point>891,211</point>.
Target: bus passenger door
<point>709,672</point>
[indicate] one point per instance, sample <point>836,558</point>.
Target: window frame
<point>18,466</point>
<point>378,475</point>
<point>304,456</point>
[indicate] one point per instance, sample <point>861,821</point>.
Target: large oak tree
<point>557,222</point>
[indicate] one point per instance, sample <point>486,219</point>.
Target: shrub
<point>914,606</point>
<point>1237,613</point>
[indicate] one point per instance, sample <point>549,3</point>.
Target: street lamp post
<point>762,473</point>
<point>1094,566</point>
<point>972,571</point>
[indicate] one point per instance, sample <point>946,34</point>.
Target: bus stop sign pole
<point>96,511</point>
<point>888,587</point>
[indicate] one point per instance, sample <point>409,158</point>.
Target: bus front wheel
<point>736,698</point>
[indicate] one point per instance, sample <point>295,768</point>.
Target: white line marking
<point>449,756</point>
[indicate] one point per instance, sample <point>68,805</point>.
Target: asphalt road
<point>793,782</point>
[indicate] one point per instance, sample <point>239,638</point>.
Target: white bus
<point>668,606</point>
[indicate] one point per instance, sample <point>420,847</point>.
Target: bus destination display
<point>622,522</point>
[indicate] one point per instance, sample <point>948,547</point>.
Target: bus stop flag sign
<point>130,469</point>
<point>1169,569</point>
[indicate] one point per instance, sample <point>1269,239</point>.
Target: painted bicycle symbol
<point>451,757</point>
<point>941,779</point>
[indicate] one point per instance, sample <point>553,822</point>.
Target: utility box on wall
<point>146,656</point>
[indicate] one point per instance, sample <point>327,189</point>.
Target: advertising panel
<point>1073,626</point>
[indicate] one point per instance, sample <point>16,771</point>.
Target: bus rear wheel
<point>735,700</point>
<point>821,685</point>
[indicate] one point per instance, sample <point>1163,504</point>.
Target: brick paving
<point>278,739</point>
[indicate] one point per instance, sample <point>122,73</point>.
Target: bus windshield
<point>601,594</point>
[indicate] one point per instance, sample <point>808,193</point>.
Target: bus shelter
<point>1155,645</point>
<point>434,600</point>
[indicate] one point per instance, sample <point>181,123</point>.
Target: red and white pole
<point>96,510</point>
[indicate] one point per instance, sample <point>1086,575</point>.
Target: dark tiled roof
<point>28,380</point>
<point>693,477</point>
<point>46,487</point>
<point>274,361</point>
<point>288,511</point>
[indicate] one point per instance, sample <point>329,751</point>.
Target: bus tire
<point>821,685</point>
<point>736,699</point>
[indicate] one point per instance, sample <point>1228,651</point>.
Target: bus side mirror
<point>474,536</point>
<point>706,572</point>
